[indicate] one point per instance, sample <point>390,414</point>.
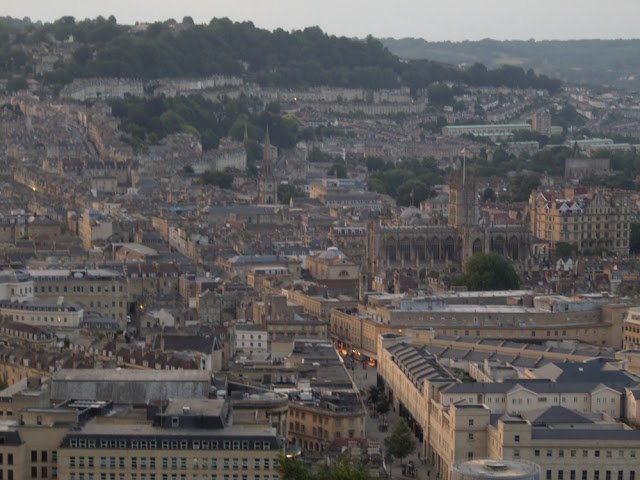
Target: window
<point>471,436</point>
<point>536,453</point>
<point>549,453</point>
<point>596,453</point>
<point>585,453</point>
<point>596,475</point>
<point>572,475</point>
<point>548,476</point>
<point>471,422</point>
<point>620,475</point>
<point>561,453</point>
<point>34,456</point>
<point>607,475</point>
<point>516,453</point>
<point>584,475</point>
<point>573,453</point>
<point>516,438</point>
<point>560,474</point>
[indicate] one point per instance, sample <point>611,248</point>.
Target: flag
<point>463,151</point>
<point>411,193</point>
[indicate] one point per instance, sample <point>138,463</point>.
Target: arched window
<point>513,248</point>
<point>477,246</point>
<point>449,248</point>
<point>434,248</point>
<point>497,245</point>
<point>405,249</point>
<point>390,249</point>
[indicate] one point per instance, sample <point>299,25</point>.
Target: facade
<point>332,264</point>
<point>589,220</point>
<point>102,291</point>
<point>251,338</point>
<point>54,315</point>
<point>480,315</point>
<point>318,421</point>
<point>497,130</point>
<point>552,405</point>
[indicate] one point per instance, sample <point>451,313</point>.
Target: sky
<point>433,20</point>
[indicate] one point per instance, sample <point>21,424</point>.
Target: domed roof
<point>332,253</point>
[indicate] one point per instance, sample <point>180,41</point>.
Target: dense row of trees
<point>299,58</point>
<point>408,181</point>
<point>594,62</point>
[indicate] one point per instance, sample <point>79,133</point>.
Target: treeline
<point>301,58</point>
<point>592,62</point>
<point>408,181</point>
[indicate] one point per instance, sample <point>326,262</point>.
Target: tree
<point>383,406</point>
<point>221,179</point>
<point>291,469</point>
<point>564,249</point>
<point>286,192</point>
<point>16,83</point>
<point>373,394</point>
<point>521,186</point>
<point>338,169</point>
<point>488,271</point>
<point>489,195</point>
<point>343,469</point>
<point>400,443</point>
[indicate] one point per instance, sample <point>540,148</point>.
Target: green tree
<point>489,195</point>
<point>286,192</point>
<point>373,394</point>
<point>291,469</point>
<point>16,83</point>
<point>343,469</point>
<point>338,169</point>
<point>564,249</point>
<point>400,442</point>
<point>382,406</point>
<point>521,186</point>
<point>488,271</point>
<point>220,179</point>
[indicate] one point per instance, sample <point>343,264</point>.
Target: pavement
<point>363,379</point>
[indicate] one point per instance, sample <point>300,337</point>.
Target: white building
<point>251,338</point>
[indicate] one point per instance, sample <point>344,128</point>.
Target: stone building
<point>586,219</point>
<point>416,248</point>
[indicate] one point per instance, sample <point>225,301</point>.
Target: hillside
<point>589,62</point>
<point>300,58</point>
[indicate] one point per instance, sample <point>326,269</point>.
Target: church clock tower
<point>267,187</point>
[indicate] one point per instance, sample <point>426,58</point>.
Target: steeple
<point>267,187</point>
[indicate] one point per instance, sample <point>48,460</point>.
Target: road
<point>363,379</point>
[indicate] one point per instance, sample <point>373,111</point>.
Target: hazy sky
<point>430,19</point>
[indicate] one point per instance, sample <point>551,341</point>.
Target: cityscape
<point>230,253</point>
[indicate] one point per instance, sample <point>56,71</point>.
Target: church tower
<point>267,187</point>
<point>463,200</point>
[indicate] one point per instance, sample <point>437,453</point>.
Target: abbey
<point>414,248</point>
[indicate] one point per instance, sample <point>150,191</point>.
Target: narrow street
<point>363,379</point>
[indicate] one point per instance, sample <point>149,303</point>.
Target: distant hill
<point>589,62</point>
<point>301,58</point>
